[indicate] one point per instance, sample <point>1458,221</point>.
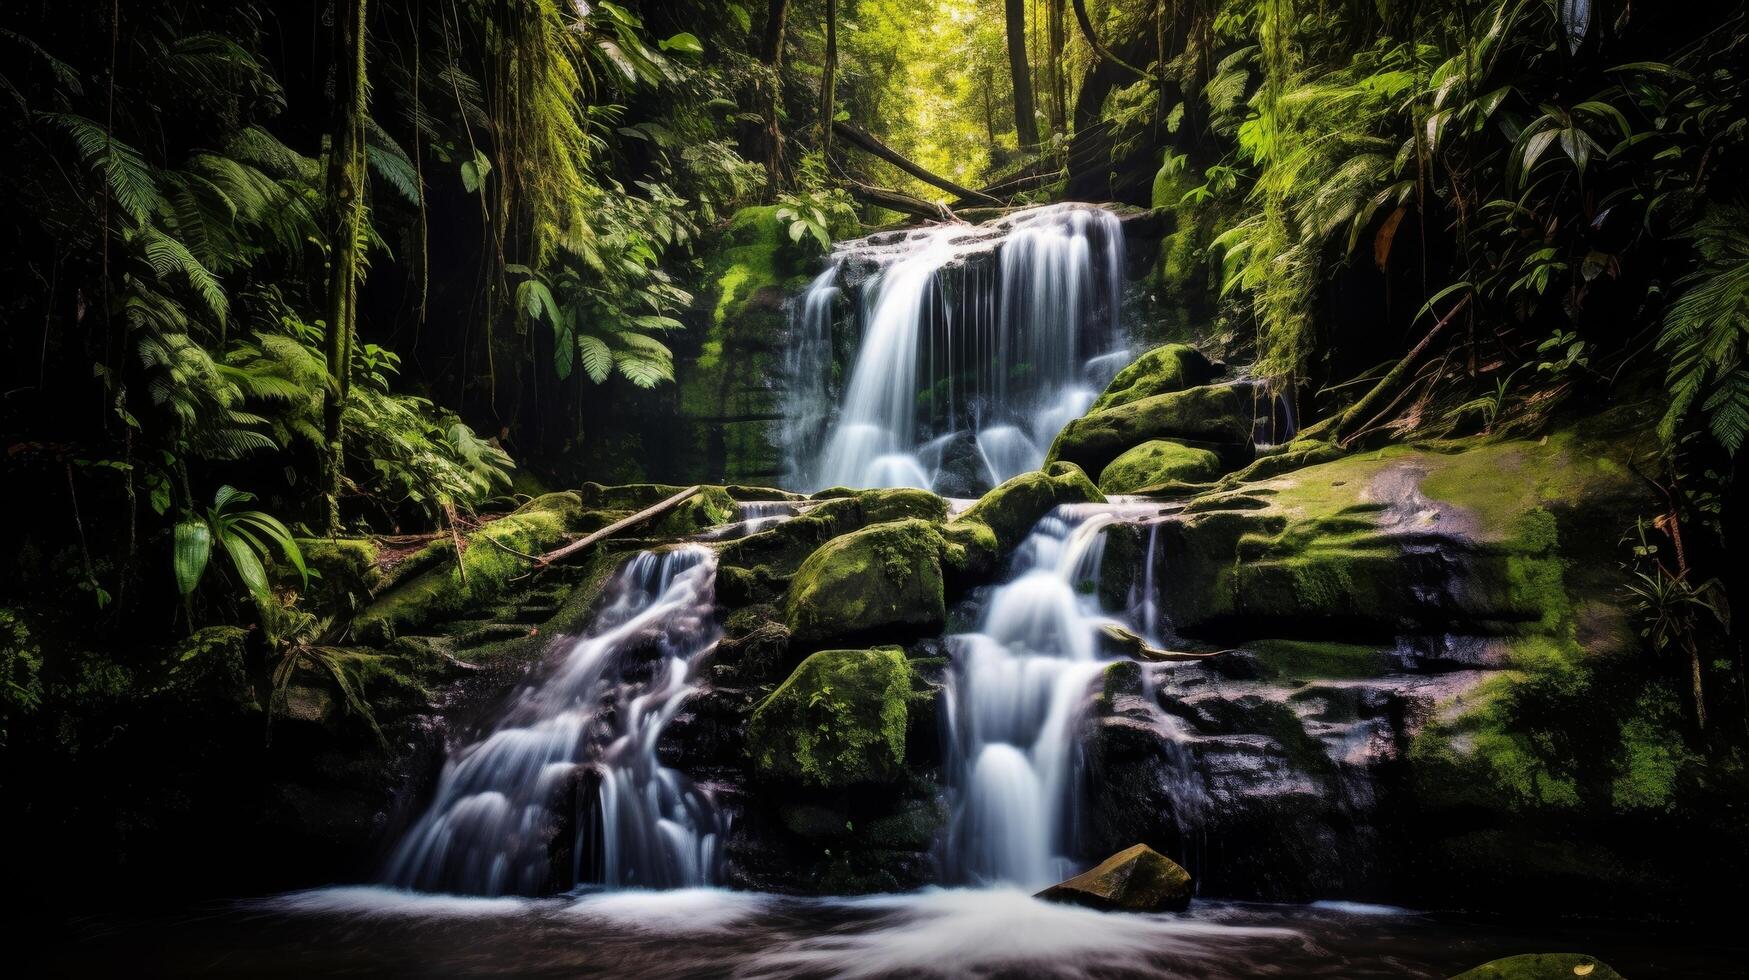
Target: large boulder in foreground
<point>1139,879</point>
<point>839,720</point>
<point>882,582</point>
<point>1157,462</point>
<point>1160,371</point>
<point>1542,966</point>
<point>1219,415</point>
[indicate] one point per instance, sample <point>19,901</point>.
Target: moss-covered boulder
<point>1139,879</point>
<point>1219,415</point>
<point>491,556</point>
<point>838,720</point>
<point>882,582</point>
<point>1010,510</point>
<point>757,568</point>
<point>1542,966</point>
<point>1158,462</point>
<point>1160,371</point>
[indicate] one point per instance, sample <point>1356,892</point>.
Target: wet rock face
<point>1138,879</point>
<point>1432,674</point>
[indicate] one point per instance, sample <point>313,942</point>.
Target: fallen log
<point>897,201</point>
<point>1130,644</point>
<point>1349,422</point>
<point>867,141</point>
<point>655,510</point>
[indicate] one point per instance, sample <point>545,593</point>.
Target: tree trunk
<point>829,81</point>
<point>1104,53</point>
<point>1059,87</point>
<point>897,201</point>
<point>346,206</point>
<point>777,15</point>
<point>989,108</point>
<point>867,141</point>
<point>1025,117</point>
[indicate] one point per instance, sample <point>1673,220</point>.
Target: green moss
<point>772,556</point>
<point>345,575</point>
<point>493,555</point>
<point>882,581</point>
<point>1312,660</point>
<point>1160,371</point>
<point>839,719</point>
<point>1217,414</point>
<point>1542,966</point>
<point>708,508</point>
<point>1652,754</point>
<point>1157,462</point>
<point>1011,510</point>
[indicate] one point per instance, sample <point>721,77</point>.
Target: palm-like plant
<point>248,537</point>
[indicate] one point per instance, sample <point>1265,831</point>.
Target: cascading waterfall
<point>1018,688</point>
<point>595,717</point>
<point>978,344</point>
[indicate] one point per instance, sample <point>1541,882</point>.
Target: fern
<point>130,180</point>
<point>1705,333</point>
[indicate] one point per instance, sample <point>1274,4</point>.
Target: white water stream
<point>1019,687</point>
<point>595,716</point>
<point>963,358</point>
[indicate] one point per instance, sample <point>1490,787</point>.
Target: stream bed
<point>374,931</point>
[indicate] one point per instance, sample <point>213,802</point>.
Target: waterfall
<point>589,727</point>
<point>978,344</point>
<point>1019,686</point>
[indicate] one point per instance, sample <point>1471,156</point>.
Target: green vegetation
<point>838,720</point>
<point>323,329</point>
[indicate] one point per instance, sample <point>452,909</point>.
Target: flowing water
<point>1019,688</point>
<point>978,343</point>
<point>586,730</point>
<point>711,933</point>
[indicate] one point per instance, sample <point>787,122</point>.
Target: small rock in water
<point>1139,879</point>
<point>1541,966</point>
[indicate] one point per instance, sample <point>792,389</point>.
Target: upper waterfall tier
<point>975,345</point>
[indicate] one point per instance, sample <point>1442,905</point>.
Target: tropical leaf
<point>192,550</point>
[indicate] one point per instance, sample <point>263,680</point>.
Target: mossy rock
<point>838,720</point>
<point>1216,414</point>
<point>1157,462</point>
<point>1160,371</point>
<point>1011,509</point>
<point>881,582</point>
<point>491,557</point>
<point>1139,879</point>
<point>758,567</point>
<point>1542,966</point>
<point>345,574</point>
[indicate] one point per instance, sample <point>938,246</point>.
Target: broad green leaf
<point>683,42</point>
<point>192,549</point>
<point>248,565</point>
